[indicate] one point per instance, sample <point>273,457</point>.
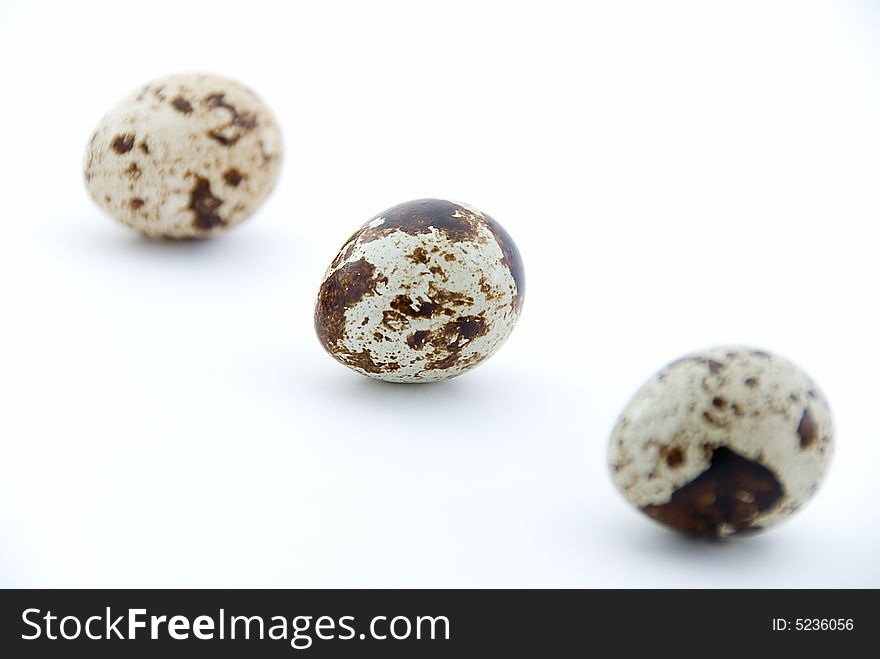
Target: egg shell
<point>724,442</point>
<point>424,291</point>
<point>185,156</point>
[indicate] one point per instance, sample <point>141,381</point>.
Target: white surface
<point>675,175</point>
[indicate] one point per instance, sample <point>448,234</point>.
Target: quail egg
<point>184,156</point>
<point>725,442</point>
<point>424,291</point>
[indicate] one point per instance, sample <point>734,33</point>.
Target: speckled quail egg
<point>185,156</point>
<point>724,442</point>
<point>424,291</point>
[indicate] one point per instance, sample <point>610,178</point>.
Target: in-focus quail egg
<point>424,291</point>
<point>724,442</point>
<point>185,156</point>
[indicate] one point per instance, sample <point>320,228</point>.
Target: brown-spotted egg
<point>724,442</point>
<point>424,291</point>
<point>185,156</point>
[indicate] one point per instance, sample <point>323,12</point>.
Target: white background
<point>677,175</point>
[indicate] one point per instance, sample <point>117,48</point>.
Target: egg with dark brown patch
<point>424,291</point>
<point>727,442</point>
<point>185,156</point>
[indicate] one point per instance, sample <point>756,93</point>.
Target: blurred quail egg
<point>185,156</point>
<point>724,442</point>
<point>424,291</point>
